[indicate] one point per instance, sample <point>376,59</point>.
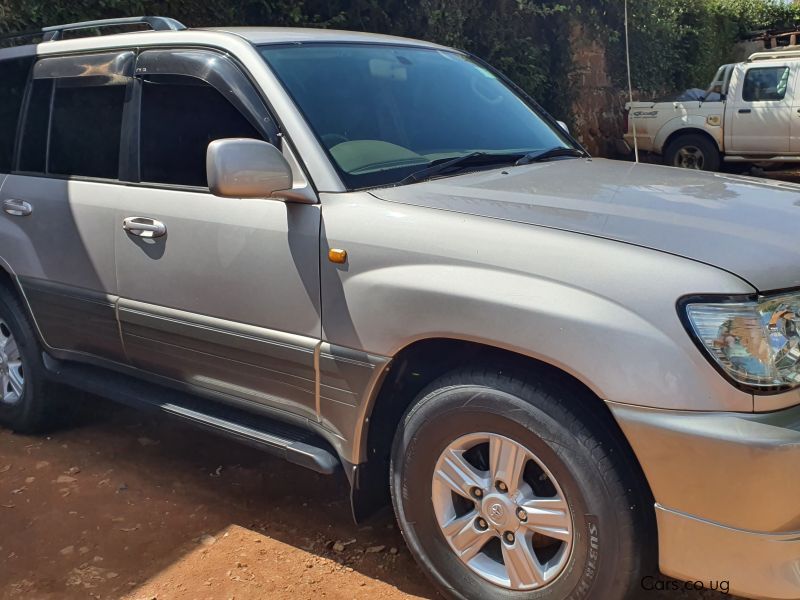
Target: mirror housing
<point>246,168</point>
<point>563,126</point>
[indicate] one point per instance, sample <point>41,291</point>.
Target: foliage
<point>674,43</point>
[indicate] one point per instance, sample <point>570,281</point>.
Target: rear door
<point>227,297</point>
<point>758,117</point>
<point>59,201</point>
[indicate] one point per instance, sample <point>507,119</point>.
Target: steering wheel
<point>332,139</point>
<point>475,84</point>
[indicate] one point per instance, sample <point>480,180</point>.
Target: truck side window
<point>765,83</point>
<point>13,77</point>
<point>180,116</point>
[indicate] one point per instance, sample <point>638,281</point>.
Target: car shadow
<point>119,500</point>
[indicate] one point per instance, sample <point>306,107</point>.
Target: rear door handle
<point>17,208</point>
<point>744,111</point>
<point>144,227</point>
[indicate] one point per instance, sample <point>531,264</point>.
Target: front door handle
<point>17,208</point>
<point>744,111</point>
<point>144,227</point>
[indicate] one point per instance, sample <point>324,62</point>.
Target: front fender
<point>603,311</point>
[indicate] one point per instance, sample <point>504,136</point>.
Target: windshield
<point>384,112</point>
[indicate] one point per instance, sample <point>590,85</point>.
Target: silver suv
<point>378,255</point>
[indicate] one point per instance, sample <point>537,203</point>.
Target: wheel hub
<point>502,512</point>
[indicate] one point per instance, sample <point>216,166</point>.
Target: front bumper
<point>727,494</point>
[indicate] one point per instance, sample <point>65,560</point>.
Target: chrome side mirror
<point>246,168</point>
<point>563,126</point>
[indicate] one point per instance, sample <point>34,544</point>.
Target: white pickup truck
<point>749,114</point>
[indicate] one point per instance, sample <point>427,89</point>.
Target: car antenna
<point>630,85</point>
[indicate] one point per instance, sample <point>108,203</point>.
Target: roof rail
<point>774,55</point>
<point>55,32</point>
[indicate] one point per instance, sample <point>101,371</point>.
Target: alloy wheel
<point>502,512</point>
<point>12,371</point>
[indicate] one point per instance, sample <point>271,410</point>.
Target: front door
<point>759,119</point>
<point>224,295</point>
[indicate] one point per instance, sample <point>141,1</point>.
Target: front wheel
<point>692,151</point>
<point>506,489</point>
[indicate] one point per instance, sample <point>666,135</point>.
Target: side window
<point>180,116</point>
<point>85,130</point>
<point>765,83</point>
<point>73,119</point>
<point>33,149</point>
<point>13,78</point>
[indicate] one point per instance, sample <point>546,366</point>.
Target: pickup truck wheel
<point>692,152</point>
<point>26,395</point>
<point>508,489</point>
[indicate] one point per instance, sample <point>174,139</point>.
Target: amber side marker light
<point>338,256</point>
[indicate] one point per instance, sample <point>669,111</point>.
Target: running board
<point>763,159</point>
<point>294,444</point>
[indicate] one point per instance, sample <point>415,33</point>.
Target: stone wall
<point>598,118</point>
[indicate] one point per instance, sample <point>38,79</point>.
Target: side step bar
<point>291,443</point>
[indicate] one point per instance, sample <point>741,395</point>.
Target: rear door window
<point>74,117</point>
<point>13,79</point>
<point>85,131</point>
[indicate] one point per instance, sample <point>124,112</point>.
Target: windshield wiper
<point>540,155</point>
<point>468,160</point>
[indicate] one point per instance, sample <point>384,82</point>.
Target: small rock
<point>67,550</point>
<point>129,529</point>
<point>4,468</point>
<point>73,470</point>
<point>30,479</point>
<point>42,464</point>
<point>374,549</point>
<point>65,479</point>
<point>338,546</point>
<point>392,550</point>
<point>122,487</point>
<point>19,490</point>
<point>97,559</point>
<point>112,575</point>
<point>207,540</point>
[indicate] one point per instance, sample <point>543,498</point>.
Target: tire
<point>692,151</point>
<point>33,410</point>
<point>576,448</point>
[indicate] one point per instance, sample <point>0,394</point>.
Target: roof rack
<point>775,55</point>
<point>55,32</point>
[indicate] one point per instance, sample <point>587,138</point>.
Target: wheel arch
<point>412,369</point>
<point>689,131</point>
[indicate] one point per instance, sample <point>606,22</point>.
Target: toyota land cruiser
<point>377,255</point>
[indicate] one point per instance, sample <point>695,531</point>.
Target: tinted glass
<point>13,77</point>
<point>385,111</point>
<point>86,127</point>
<point>768,83</point>
<point>180,117</point>
<point>33,151</point>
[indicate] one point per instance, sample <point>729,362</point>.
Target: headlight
<point>756,343</point>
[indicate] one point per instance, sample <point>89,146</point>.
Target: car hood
<point>749,227</point>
